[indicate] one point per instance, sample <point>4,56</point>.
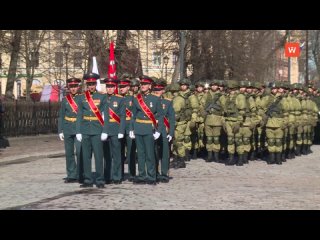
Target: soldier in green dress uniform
<point>89,126</point>
<point>144,128</point>
<point>113,132</point>
<point>67,132</point>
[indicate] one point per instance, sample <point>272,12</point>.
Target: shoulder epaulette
<point>118,95</point>
<point>168,99</point>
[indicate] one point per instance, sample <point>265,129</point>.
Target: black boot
<point>231,160</point>
<point>194,155</point>
<point>209,158</point>
<point>283,156</point>
<point>216,157</point>
<point>253,156</point>
<point>245,158</point>
<point>180,163</point>
<point>271,158</point>
<point>240,160</point>
<point>187,158</point>
<point>278,158</point>
<point>174,162</point>
<point>304,149</point>
<point>298,150</point>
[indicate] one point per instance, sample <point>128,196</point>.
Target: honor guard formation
<point>149,122</point>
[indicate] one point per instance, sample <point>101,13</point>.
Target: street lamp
<point>166,61</point>
<point>66,50</point>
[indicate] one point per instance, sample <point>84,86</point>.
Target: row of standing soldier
<point>237,121</point>
<point>106,124</point>
<point>232,121</point>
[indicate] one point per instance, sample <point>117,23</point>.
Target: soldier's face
<point>73,89</point>
<point>214,87</point>
<point>110,89</point>
<point>274,90</point>
<point>135,89</point>
<point>199,89</point>
<point>91,86</point>
<point>249,90</point>
<point>145,87</point>
<point>124,90</point>
<point>183,87</point>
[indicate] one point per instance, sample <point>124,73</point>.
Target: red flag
<point>112,65</point>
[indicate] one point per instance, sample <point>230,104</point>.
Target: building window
<point>156,34</point>
<point>156,58</point>
<point>34,59</point>
<point>175,57</point>
<point>59,59</point>
<point>34,35</point>
<point>77,60</point>
<point>58,35</point>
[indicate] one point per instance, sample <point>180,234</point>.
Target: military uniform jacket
<point>128,101</point>
<point>90,127</point>
<point>169,113</point>
<point>67,117</point>
<point>215,113</point>
<point>140,121</point>
<point>117,104</point>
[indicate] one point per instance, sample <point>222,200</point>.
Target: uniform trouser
<point>92,143</point>
<point>243,140</point>
<point>163,154</point>
<point>213,134</point>
<point>299,129</point>
<point>73,166</point>
<point>274,138</point>
<point>112,154</point>
<point>306,136</point>
<point>197,140</point>
<point>131,155</point>
<point>285,138</point>
<point>292,131</point>
<point>187,137</point>
<point>146,157</point>
<point>178,142</point>
<point>231,136</point>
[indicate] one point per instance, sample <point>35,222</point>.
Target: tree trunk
<point>13,62</point>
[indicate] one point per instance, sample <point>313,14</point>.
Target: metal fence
<point>29,118</point>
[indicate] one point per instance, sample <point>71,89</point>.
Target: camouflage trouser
<point>229,125</point>
<point>213,138</point>
<point>306,136</point>
<point>187,137</point>
<point>291,140</point>
<point>179,148</point>
<point>285,138</point>
<point>198,139</point>
<point>299,131</point>
<point>261,137</point>
<point>274,139</point>
<point>243,140</point>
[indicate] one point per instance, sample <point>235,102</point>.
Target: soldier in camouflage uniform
<point>213,121</point>
<point>134,87</point>
<point>275,125</point>
<point>198,137</point>
<point>183,114</point>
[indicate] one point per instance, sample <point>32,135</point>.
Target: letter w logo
<point>292,50</point>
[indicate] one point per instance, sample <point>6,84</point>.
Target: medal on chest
<point>151,104</point>
<point>115,104</point>
<point>130,103</point>
<point>163,106</point>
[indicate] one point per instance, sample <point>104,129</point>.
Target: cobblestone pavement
<point>37,184</point>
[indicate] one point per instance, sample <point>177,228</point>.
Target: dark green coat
<point>154,104</point>
<point>128,100</point>
<point>64,126</point>
<point>169,113</point>
<point>117,104</point>
<point>86,126</point>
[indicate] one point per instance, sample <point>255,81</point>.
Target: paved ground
<point>28,182</point>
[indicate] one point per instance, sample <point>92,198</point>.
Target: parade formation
<point>161,126</point>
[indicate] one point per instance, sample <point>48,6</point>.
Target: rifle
<point>274,107</point>
<point>214,105</point>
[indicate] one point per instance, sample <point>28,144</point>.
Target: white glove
<point>79,137</point>
<point>102,115</point>
<point>131,135</point>
<point>156,135</point>
<point>169,138</point>
<point>104,136</point>
<point>61,136</point>
<point>120,135</point>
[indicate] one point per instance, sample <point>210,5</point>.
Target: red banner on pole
<point>112,65</point>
